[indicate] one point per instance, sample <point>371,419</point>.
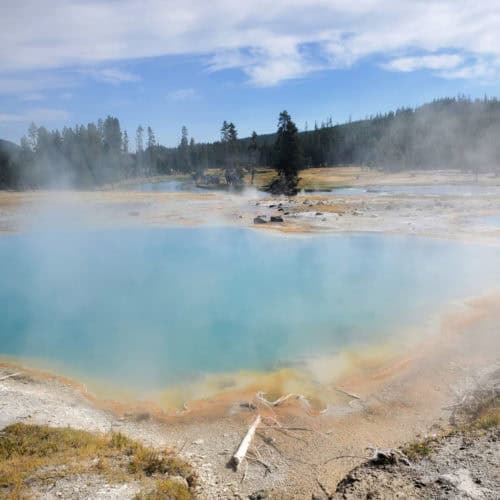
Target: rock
<point>276,218</point>
<point>319,213</point>
<point>198,441</point>
<point>259,220</point>
<point>259,495</point>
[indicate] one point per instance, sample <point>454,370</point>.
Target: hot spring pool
<point>491,220</point>
<point>151,307</point>
<point>170,186</point>
<point>419,190</point>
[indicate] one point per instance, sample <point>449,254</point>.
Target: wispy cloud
<point>114,76</point>
<point>265,39</point>
<point>32,86</point>
<point>37,115</point>
<point>183,94</point>
<point>434,62</point>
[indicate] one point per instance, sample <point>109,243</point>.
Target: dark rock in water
<point>259,220</point>
<point>319,213</point>
<point>276,218</point>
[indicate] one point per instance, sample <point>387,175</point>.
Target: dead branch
<point>260,396</point>
<point>5,377</point>
<point>350,394</point>
<point>242,450</point>
<point>185,409</point>
<point>260,462</point>
<point>323,489</point>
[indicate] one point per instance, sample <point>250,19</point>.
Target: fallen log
<point>350,394</point>
<point>242,450</point>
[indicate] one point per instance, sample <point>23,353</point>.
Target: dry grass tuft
<point>420,449</point>
<point>166,490</point>
<point>31,454</point>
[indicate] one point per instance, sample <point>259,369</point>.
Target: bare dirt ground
<point>397,397</point>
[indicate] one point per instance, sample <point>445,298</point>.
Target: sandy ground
<point>400,395</point>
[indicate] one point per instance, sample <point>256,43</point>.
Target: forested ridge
<point>446,133</point>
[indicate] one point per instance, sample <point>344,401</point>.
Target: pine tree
<point>151,138</point>
<point>288,155</point>
<point>139,140</point>
<point>125,142</point>
<point>139,150</point>
<point>253,149</point>
<point>233,172</point>
<point>185,156</point>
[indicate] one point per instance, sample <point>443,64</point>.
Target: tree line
<point>446,133</point>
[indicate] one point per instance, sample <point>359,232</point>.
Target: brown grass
<point>32,453</point>
<point>166,490</point>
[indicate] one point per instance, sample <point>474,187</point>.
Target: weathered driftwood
<point>260,396</point>
<point>5,377</point>
<point>184,411</point>
<point>350,394</point>
<point>242,450</point>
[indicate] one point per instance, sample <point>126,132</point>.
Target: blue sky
<point>196,63</point>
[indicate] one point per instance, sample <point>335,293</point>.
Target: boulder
<point>259,220</point>
<point>276,218</point>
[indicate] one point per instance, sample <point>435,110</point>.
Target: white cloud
<point>31,86</point>
<point>182,94</point>
<point>434,62</point>
<point>266,39</point>
<point>37,115</point>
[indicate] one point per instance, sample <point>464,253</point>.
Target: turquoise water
<point>152,307</point>
<point>491,220</point>
<point>171,186</point>
<point>422,190</point>
<point>189,186</point>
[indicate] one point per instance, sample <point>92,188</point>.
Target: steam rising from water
<point>148,308</point>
